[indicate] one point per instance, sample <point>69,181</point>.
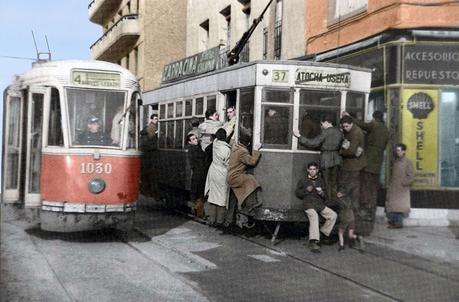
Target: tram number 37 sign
<point>96,168</point>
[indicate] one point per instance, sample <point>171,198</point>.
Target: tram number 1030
<point>97,168</point>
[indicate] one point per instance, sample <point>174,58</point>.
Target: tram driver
<point>93,135</point>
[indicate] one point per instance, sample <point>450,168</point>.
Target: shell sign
<point>419,133</point>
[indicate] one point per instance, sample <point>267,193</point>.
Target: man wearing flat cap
<point>93,135</point>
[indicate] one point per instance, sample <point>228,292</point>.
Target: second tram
<point>271,99</point>
<point>70,150</point>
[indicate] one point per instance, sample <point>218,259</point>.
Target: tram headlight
<point>96,185</point>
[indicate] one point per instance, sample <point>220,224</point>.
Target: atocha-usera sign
<point>199,63</point>
<point>314,77</point>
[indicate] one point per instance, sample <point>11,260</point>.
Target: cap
<point>93,119</point>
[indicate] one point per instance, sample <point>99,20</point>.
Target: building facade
<point>280,35</point>
<point>413,49</point>
<point>140,35</point>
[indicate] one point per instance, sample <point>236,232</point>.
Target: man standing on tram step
<point>229,124</point>
<point>398,202</point>
<point>197,159</point>
<point>93,135</point>
<point>377,137</point>
<point>310,188</point>
<point>209,127</point>
<point>150,158</point>
<point>329,140</point>
<point>243,185</point>
<point>354,162</point>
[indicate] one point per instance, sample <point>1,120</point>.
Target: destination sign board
<point>95,79</point>
<point>316,77</point>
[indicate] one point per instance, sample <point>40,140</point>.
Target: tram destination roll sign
<point>199,63</point>
<point>316,77</point>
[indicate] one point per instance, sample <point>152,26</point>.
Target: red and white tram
<point>70,149</point>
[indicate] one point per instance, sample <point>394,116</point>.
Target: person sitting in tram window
<point>243,185</point>
<point>93,134</point>
<point>209,127</point>
<point>117,126</point>
<point>346,219</point>
<point>197,159</point>
<point>217,188</point>
<point>311,189</point>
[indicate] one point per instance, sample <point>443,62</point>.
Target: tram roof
<point>59,72</point>
<point>231,77</point>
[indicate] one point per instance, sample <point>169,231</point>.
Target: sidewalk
<point>438,242</point>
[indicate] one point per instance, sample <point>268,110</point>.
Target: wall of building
<point>324,34</point>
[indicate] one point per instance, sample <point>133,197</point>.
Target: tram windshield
<point>96,116</point>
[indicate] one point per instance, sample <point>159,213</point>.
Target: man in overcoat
<point>354,162</point>
<point>311,190</point>
<point>398,201</point>
<point>377,137</point>
<point>198,165</point>
<point>329,140</point>
<point>244,185</point>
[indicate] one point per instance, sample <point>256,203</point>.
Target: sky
<point>65,23</point>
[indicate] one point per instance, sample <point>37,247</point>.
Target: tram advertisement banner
<point>419,133</point>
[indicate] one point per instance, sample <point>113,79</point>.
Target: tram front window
<point>313,105</point>
<point>96,116</point>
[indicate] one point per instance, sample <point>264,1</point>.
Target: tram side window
<point>12,163</point>
<point>211,102</point>
<point>355,104</point>
<point>178,134</point>
<point>170,134</point>
<point>162,135</point>
<point>188,107</point>
<point>55,136</point>
<point>277,118</point>
<point>246,105</point>
<point>313,105</point>
<point>199,107</point>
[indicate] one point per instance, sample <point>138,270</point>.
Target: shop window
<point>313,105</point>
<point>55,136</point>
<point>449,138</point>
<point>277,118</point>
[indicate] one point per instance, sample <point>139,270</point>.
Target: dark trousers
<point>248,208</point>
<point>330,176</point>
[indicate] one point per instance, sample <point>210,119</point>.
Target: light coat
<point>206,130</point>
<point>217,187</point>
<point>398,194</point>
<point>242,184</point>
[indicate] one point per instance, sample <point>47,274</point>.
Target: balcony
<point>117,40</point>
<point>101,11</point>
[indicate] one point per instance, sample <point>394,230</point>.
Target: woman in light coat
<point>398,202</point>
<point>217,188</point>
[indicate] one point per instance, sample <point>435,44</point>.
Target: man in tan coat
<point>243,185</point>
<point>398,201</point>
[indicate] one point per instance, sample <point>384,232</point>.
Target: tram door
<point>33,139</point>
<point>22,146</point>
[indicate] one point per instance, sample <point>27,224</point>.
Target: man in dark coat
<point>311,190</point>
<point>377,137</point>
<point>198,165</point>
<point>329,140</point>
<point>150,161</point>
<point>93,135</point>
<point>354,161</point>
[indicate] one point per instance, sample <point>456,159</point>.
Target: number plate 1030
<point>96,168</point>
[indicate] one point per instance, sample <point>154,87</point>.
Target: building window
<point>136,61</point>
<point>343,9</point>
<point>204,35</point>
<point>278,31</point>
<point>449,138</point>
<point>226,13</point>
